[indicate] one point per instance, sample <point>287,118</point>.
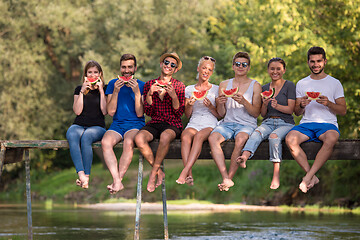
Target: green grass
<point>251,185</point>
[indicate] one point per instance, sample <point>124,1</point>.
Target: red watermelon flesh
<point>229,92</point>
<point>199,95</point>
<point>125,78</point>
<point>161,83</point>
<point>313,95</point>
<point>268,94</point>
<point>92,80</point>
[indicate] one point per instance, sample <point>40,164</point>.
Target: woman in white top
<point>203,118</point>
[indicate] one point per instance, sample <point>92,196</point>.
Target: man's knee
<point>214,138</point>
<point>329,138</point>
<point>167,136</point>
<point>128,143</point>
<point>139,139</point>
<point>291,139</point>
<point>241,139</point>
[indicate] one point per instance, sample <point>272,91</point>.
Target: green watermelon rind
<point>311,98</point>
<point>232,94</point>
<point>272,93</point>
<point>200,98</point>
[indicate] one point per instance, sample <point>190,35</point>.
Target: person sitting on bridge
<point>204,117</point>
<point>126,107</point>
<point>278,120</point>
<point>319,122</point>
<point>164,103</point>
<point>89,125</point>
<point>240,112</point>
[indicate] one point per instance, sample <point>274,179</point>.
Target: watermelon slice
<point>268,94</point>
<point>125,79</point>
<point>199,95</point>
<point>313,95</point>
<point>161,83</point>
<point>93,81</point>
<point>230,92</point>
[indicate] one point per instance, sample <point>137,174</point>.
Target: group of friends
<point>215,118</point>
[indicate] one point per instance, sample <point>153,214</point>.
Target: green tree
<point>287,29</point>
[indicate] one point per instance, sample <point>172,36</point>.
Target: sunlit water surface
<point>71,223</point>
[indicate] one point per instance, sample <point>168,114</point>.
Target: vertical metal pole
<point>163,188</point>
<point>28,193</point>
<point>2,159</point>
<point>138,198</point>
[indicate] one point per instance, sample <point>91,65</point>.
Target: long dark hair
<point>91,64</point>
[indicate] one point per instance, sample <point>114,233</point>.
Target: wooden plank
<point>344,149</point>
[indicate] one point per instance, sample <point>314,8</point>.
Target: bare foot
<point>189,181</point>
<point>303,187</point>
<point>314,180</point>
<point>78,182</point>
<point>83,181</point>
<point>225,185</point>
<point>241,161</point>
<point>181,179</point>
<point>115,187</point>
<point>160,178</point>
<point>275,184</point>
<point>151,183</point>
<point>85,184</point>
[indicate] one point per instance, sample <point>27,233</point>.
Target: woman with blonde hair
<point>203,117</point>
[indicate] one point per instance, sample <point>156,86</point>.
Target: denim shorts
<point>314,130</point>
<point>122,128</point>
<point>230,129</point>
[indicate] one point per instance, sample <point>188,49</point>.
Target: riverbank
<point>192,207</point>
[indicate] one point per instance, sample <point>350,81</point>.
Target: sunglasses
<point>173,65</point>
<point>243,64</point>
<point>209,58</point>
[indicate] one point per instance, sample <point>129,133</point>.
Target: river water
<point>73,223</point>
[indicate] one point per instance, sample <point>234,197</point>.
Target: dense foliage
<point>45,45</point>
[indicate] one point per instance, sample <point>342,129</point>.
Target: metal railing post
<point>138,197</point>
<point>163,190</point>
<point>2,159</point>
<point>28,193</point>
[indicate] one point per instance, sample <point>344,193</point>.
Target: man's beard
<point>316,73</point>
<point>128,73</point>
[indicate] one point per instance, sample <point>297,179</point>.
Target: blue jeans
<point>270,125</point>
<point>80,143</point>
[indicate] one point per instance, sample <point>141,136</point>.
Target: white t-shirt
<point>316,112</point>
<point>201,116</point>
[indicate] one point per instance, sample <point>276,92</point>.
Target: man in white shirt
<point>319,122</point>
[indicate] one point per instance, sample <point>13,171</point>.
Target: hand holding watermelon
<point>268,94</point>
<point>323,100</point>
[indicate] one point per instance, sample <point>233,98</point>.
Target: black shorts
<point>157,128</point>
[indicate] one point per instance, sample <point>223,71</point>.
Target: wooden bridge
<point>13,151</point>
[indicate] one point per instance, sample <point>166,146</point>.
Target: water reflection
<point>69,223</point>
